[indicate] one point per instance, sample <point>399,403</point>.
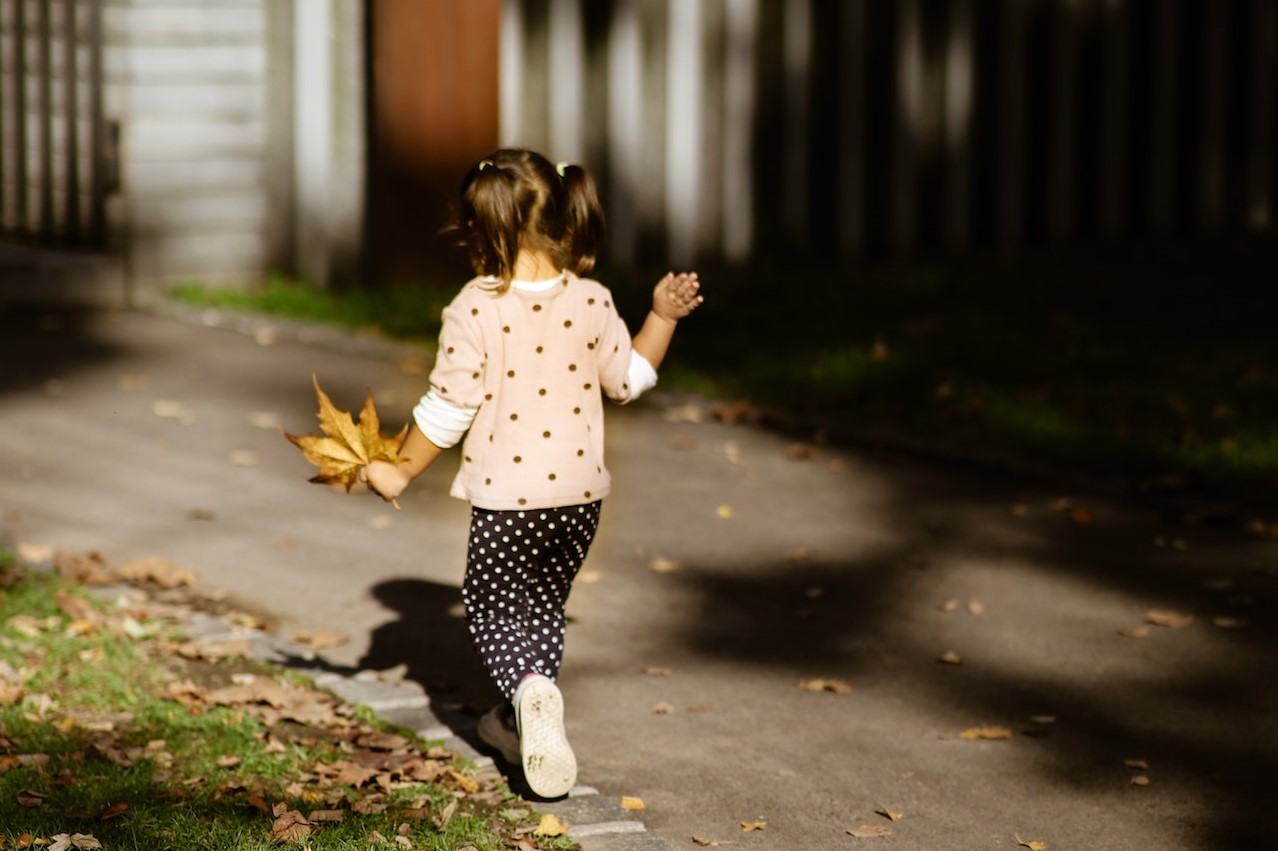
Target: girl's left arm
<point>674,297</point>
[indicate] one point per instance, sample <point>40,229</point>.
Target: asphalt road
<point>732,564</point>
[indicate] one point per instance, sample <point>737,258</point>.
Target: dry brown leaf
<point>870,831</point>
<point>550,825</point>
<point>10,694</point>
<point>326,815</point>
<point>1032,844</point>
<point>1141,764</point>
<point>1140,780</point>
<point>661,564</point>
<point>1134,631</point>
<point>468,784</point>
<point>31,798</point>
<point>701,707</point>
<point>835,686</point>
<point>703,842</point>
<point>948,606</point>
<point>988,733</point>
<point>751,826</point>
<point>322,640</point>
<point>629,803</point>
<point>113,811</point>
<point>663,707</point>
<point>724,512</point>
<point>346,446</point>
<point>1168,618</point>
<point>1224,622</point>
<point>888,814</point>
<point>800,452</point>
<point>1082,517</point>
<point>290,826</point>
<point>657,670</point>
<point>975,607</point>
<point>228,761</point>
<point>949,657</point>
<point>161,571</point>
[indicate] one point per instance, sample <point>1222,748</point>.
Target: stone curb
<point>596,823</point>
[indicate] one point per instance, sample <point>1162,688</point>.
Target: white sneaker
<point>548,761</point>
<point>497,730</point>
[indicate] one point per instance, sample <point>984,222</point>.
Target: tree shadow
<point>1198,710</point>
<point>39,345</point>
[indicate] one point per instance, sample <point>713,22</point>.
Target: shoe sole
<point>550,767</point>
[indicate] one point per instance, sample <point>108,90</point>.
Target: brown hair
<point>517,198</point>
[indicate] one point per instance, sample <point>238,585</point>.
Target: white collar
<point>536,286</point>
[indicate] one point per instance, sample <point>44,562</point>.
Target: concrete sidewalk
<point>732,564</point>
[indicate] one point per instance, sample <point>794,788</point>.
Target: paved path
<point>730,566</point>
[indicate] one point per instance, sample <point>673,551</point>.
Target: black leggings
<point>519,569</point>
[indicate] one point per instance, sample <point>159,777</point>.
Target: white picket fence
<point>737,129</point>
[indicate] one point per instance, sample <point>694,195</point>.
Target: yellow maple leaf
<point>1032,844</point>
<point>346,445</point>
<point>550,825</point>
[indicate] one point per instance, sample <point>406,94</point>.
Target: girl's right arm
<point>674,297</point>
<point>415,455</point>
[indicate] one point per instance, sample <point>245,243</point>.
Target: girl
<point>525,351</point>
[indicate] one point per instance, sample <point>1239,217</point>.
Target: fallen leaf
<point>113,811</point>
<point>800,452</point>
<point>169,409</point>
<point>949,657</point>
<point>1043,719</point>
<point>1019,509</point>
<point>265,420</point>
<point>550,825</point>
<point>661,564</point>
<point>161,571</point>
<point>731,413</point>
<point>1141,764</point>
<point>975,607</point>
<point>724,512</point>
<point>751,826</point>
<point>228,761</point>
<point>948,606</point>
<point>1223,622</point>
<point>35,553</point>
<point>346,446</point>
<point>1033,844</point>
<point>1140,780</point>
<point>663,708</point>
<point>1134,631</point>
<point>468,784</point>
<point>657,670</point>
<point>290,826</point>
<point>629,803</point>
<point>322,639</point>
<point>988,732</point>
<point>888,814</point>
<point>326,815</point>
<point>831,685</point>
<point>703,842</point>
<point>1082,517</point>
<point>31,798</point>
<point>1164,617</point>
<point>870,831</point>
<point>244,458</point>
<point>701,707</point>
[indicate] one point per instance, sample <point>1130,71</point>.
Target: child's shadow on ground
<point>429,636</point>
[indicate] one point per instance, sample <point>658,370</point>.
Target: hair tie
<point>559,167</point>
<point>485,163</point>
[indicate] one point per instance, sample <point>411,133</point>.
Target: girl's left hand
<point>676,295</point>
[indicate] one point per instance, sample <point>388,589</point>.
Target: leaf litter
<point>365,767</point>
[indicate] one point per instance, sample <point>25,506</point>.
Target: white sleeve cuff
<point>641,376</point>
<point>441,421</point>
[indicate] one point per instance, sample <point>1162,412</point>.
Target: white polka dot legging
<point>519,569</point>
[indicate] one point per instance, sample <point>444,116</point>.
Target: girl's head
<point>516,199</point>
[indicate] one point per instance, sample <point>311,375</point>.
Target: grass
<point>89,734</point>
<point>1152,362</point>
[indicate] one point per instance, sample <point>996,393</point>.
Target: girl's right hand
<point>675,296</point>
<point>385,479</point>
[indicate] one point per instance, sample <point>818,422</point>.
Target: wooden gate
<point>55,149</point>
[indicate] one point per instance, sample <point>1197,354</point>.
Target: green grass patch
<point>89,746</point>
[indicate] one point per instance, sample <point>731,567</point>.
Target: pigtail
<point>583,218</point>
<point>491,221</point>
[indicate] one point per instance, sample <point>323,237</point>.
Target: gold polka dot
<point>451,350</point>
<point>546,434</point>
<point>443,389</point>
<point>536,307</point>
<point>468,458</point>
<point>519,459</point>
<point>510,373</point>
<point>488,481</point>
<point>541,392</point>
<point>580,452</point>
<point>590,301</point>
<point>488,397</point>
<point>505,329</point>
<point>588,385</point>
<point>523,501</point>
<point>625,386</point>
<point>607,304</point>
<point>587,494</point>
<point>590,346</point>
<point>474,311</point>
<point>474,375</point>
<point>616,348</point>
<point>540,350</point>
<point>551,477</point>
<point>576,410</point>
<point>514,417</point>
<point>572,367</point>
<point>567,323</point>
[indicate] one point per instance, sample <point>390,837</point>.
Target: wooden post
<point>565,76</point>
<point>741,24</point>
<point>1011,184</point>
<point>797,60</point>
<point>1260,158</point>
<point>1063,121</point>
<point>1215,76</point>
<point>684,67</point>
<point>510,75</point>
<point>1114,148</point>
<point>908,106</point>
<point>626,135</point>
<point>959,82</point>
<point>851,127</point>
<point>1162,160</point>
